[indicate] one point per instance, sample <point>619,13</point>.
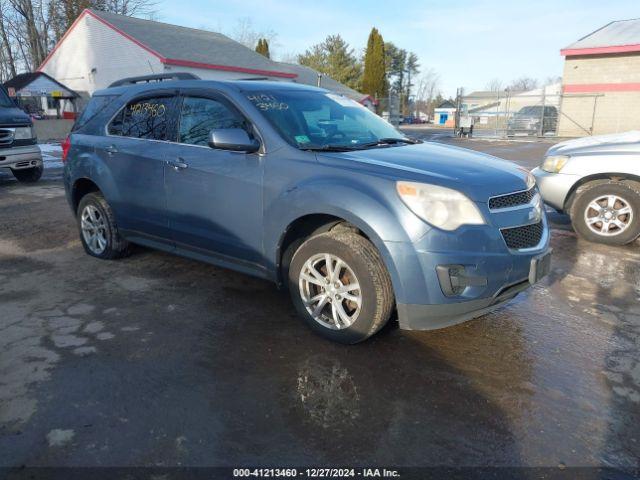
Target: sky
<point>467,43</point>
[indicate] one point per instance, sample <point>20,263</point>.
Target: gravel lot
<point>158,360</point>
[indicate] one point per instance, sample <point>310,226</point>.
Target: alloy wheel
<point>94,230</point>
<point>608,215</point>
<point>330,291</point>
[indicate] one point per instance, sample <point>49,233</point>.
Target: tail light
<point>66,145</point>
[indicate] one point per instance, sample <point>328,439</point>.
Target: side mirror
<point>234,139</point>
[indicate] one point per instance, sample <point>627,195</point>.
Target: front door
<point>214,197</point>
<point>134,151</point>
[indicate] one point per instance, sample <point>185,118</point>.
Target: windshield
<point>530,111</point>
<point>321,120</point>
<point>5,101</point>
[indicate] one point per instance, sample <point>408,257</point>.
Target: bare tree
<point>132,8</point>
<point>552,80</point>
<point>245,33</point>
<point>427,88</point>
<point>494,85</point>
<point>6,47</point>
<point>33,31</point>
<point>523,84</point>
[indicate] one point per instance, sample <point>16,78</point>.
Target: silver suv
<point>596,180</point>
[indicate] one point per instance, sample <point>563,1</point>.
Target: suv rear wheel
<point>28,175</point>
<point>98,229</point>
<point>607,212</point>
<point>340,286</point>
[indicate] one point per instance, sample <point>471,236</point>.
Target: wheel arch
<point>601,178</point>
<point>305,226</point>
<point>81,187</point>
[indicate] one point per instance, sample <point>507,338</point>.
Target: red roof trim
<point>228,68</point>
<point>600,50</point>
<point>168,61</point>
<point>601,87</point>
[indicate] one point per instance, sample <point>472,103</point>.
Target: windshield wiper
<point>359,146</point>
<point>389,141</point>
<point>329,148</point>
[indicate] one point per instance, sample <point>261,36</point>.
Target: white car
<point>596,180</point>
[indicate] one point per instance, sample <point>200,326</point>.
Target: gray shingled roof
<point>618,33</point>
<point>309,76</point>
<point>182,43</point>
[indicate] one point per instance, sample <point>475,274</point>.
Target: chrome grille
<point>511,199</point>
<point>527,236</point>
<point>6,136</point>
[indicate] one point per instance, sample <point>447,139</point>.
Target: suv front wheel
<point>340,286</point>
<point>607,212</point>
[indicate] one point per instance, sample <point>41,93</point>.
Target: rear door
<point>214,197</point>
<point>135,150</point>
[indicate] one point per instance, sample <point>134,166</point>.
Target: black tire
<point>586,194</point>
<point>28,175</point>
<point>364,260</point>
<point>116,246</point>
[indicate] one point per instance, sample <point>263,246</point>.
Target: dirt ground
<point>156,360</point>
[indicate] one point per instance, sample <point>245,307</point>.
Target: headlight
<point>441,207</point>
<point>554,163</point>
<point>23,133</point>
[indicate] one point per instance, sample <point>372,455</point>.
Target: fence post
<point>593,114</point>
<point>497,111</point>
<point>544,99</point>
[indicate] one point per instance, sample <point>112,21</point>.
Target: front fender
<point>374,209</point>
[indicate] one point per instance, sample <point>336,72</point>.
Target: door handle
<point>178,164</point>
<point>111,149</point>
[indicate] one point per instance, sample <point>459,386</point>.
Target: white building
<point>100,48</point>
<point>38,93</point>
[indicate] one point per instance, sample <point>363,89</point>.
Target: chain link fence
<point>543,112</point>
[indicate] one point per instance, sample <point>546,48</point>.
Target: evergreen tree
<point>263,47</point>
<point>334,58</point>
<point>374,80</point>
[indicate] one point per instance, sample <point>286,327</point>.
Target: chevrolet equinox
<point>309,189</point>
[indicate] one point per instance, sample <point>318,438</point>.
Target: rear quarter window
<point>147,118</point>
<point>94,107</point>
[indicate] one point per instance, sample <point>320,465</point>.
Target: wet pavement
<point>160,360</point>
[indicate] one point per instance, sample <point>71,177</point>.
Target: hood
<point>617,142</point>
<point>477,175</point>
<point>13,116</point>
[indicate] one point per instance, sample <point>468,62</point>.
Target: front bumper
<point>492,273</point>
<point>18,158</point>
<point>432,317</point>
<point>554,187</point>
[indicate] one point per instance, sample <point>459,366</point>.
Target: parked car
<point>527,121</point>
<point>596,180</point>
<point>18,144</point>
<point>311,190</point>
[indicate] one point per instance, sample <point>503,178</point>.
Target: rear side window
<point>199,116</point>
<point>95,106</point>
<point>148,118</point>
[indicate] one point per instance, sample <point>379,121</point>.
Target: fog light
<point>454,279</point>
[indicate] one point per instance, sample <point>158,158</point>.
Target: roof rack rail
<point>160,77</point>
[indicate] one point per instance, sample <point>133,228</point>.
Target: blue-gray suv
<point>311,190</point>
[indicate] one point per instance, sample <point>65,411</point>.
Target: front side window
<point>199,116</point>
<point>147,118</point>
<point>317,119</point>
